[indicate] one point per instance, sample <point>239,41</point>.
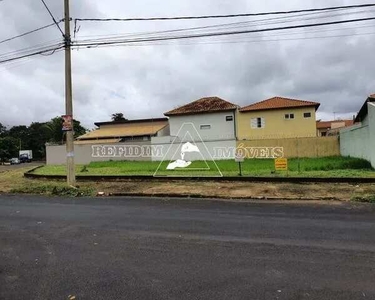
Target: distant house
<point>212,117</point>
<point>359,140</point>
<point>277,117</point>
<point>329,128</point>
<point>99,144</point>
<point>124,131</point>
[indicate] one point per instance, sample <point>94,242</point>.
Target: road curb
<point>82,178</point>
<point>220,197</point>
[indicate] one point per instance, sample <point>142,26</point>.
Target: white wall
<point>359,140</point>
<point>84,154</point>
<point>371,120</point>
<point>220,128</point>
<point>207,150</point>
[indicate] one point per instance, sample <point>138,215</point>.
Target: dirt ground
<point>9,167</point>
<point>12,179</point>
<point>240,190</point>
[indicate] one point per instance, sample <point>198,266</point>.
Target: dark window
<point>258,123</point>
<point>324,133</point>
<point>229,118</point>
<point>205,127</point>
<point>307,115</point>
<point>289,116</point>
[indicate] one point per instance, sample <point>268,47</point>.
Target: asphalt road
<point>107,248</point>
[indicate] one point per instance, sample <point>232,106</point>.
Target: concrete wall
<point>220,128</point>
<point>359,140</point>
<point>276,126</point>
<point>298,147</point>
<point>371,109</point>
<point>84,154</point>
<point>164,132</point>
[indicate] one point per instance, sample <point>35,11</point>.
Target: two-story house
<point>210,123</point>
<point>277,117</point>
<point>213,118</point>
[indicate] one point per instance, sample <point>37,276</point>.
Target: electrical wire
<point>260,40</point>
<point>225,16</point>
<point>53,18</point>
<point>37,47</point>
<point>32,54</point>
<point>216,27</point>
<point>225,33</point>
<point>28,32</point>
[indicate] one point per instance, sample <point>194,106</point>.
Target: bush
<point>365,198</point>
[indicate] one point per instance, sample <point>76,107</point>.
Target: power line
<point>225,33</point>
<point>53,18</point>
<point>225,16</point>
<point>218,27</point>
<point>241,41</point>
<point>34,48</point>
<point>57,47</point>
<point>29,32</point>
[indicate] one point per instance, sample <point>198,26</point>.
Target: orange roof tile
<point>278,103</point>
<point>125,130</point>
<point>328,124</point>
<point>203,105</point>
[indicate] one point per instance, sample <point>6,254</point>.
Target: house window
<point>229,118</point>
<point>324,133</point>
<point>204,127</point>
<point>289,116</point>
<point>258,123</point>
<point>307,115</point>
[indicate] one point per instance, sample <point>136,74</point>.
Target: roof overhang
<point>364,109</point>
<point>199,112</point>
<point>280,108</point>
<point>131,121</point>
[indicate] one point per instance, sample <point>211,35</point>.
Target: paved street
<point>128,248</point>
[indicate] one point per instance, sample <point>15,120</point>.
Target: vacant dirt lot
<point>240,190</point>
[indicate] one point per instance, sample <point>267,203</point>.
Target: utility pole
<point>71,178</point>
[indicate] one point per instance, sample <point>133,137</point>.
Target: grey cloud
<point>147,81</point>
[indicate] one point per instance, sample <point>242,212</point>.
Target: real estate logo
<point>188,155</point>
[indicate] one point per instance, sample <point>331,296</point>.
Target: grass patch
<point>303,167</point>
<point>364,198</point>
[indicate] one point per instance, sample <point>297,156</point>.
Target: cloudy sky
<point>147,80</point>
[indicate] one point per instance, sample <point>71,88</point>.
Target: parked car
<point>14,161</point>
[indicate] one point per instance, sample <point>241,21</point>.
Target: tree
<point>56,135</point>
<point>21,134</point>
<point>8,148</point>
<point>3,130</point>
<point>34,137</point>
<point>39,134</point>
<point>118,117</point>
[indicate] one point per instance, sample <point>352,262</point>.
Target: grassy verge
<point>12,181</point>
<point>303,167</point>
